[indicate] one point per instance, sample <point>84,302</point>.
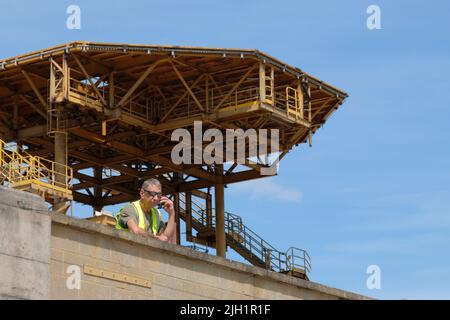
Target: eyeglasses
<point>153,193</point>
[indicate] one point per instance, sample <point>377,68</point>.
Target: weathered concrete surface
<point>174,272</point>
<point>36,250</point>
<point>24,246</point>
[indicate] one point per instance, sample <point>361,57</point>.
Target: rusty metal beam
<point>139,82</point>
<point>89,78</point>
<point>123,147</point>
<point>199,105</point>
<point>236,85</point>
<point>180,99</point>
<point>35,89</point>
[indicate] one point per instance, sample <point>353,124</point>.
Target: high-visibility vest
<point>156,218</point>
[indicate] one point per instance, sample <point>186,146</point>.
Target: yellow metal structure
<point>35,174</point>
<point>109,110</point>
<point>292,105</point>
<point>103,219</point>
<point>118,104</point>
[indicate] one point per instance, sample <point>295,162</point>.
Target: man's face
<point>151,195</point>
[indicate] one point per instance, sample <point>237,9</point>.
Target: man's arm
<point>133,227</point>
<point>171,225</point>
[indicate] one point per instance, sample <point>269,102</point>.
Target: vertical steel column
<point>309,114</point>
<point>220,213</point>
<point>272,85</point>
<point>111,90</point>
<point>177,216</point>
<point>61,162</point>
<point>300,98</point>
<point>262,82</point>
<point>208,209</point>
<point>98,174</point>
<point>15,113</point>
<point>188,213</point>
<point>66,78</point>
<point>60,137</point>
<point>177,176</point>
<point>207,94</point>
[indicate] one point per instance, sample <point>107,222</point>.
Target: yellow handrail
<point>292,103</point>
<point>293,259</point>
<point>20,170</point>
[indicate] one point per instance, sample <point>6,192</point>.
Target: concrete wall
<point>24,246</point>
<point>36,251</point>
<point>174,272</point>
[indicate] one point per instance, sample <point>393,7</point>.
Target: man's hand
<point>162,237</point>
<point>169,233</point>
<point>133,227</point>
<point>167,205</point>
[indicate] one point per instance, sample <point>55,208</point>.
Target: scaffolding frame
<point>96,107</point>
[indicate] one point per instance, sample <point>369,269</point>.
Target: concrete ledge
<point>23,200</point>
<point>92,227</point>
<point>24,245</point>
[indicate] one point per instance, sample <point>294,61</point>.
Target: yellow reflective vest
<point>156,218</point>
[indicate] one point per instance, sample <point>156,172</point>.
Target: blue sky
<point>374,188</point>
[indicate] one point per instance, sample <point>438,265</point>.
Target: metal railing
<point>152,108</point>
<point>21,170</point>
<point>85,90</point>
<point>294,255</point>
<point>294,259</point>
<point>236,98</point>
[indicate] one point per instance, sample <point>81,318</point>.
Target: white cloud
<point>267,189</point>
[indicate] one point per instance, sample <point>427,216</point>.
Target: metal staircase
<point>23,171</point>
<point>243,240</point>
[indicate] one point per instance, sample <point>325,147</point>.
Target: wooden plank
<point>116,276</point>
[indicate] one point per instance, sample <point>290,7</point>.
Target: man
<point>143,218</point>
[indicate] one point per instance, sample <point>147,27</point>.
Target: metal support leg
<point>60,171</point>
<point>220,215</point>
